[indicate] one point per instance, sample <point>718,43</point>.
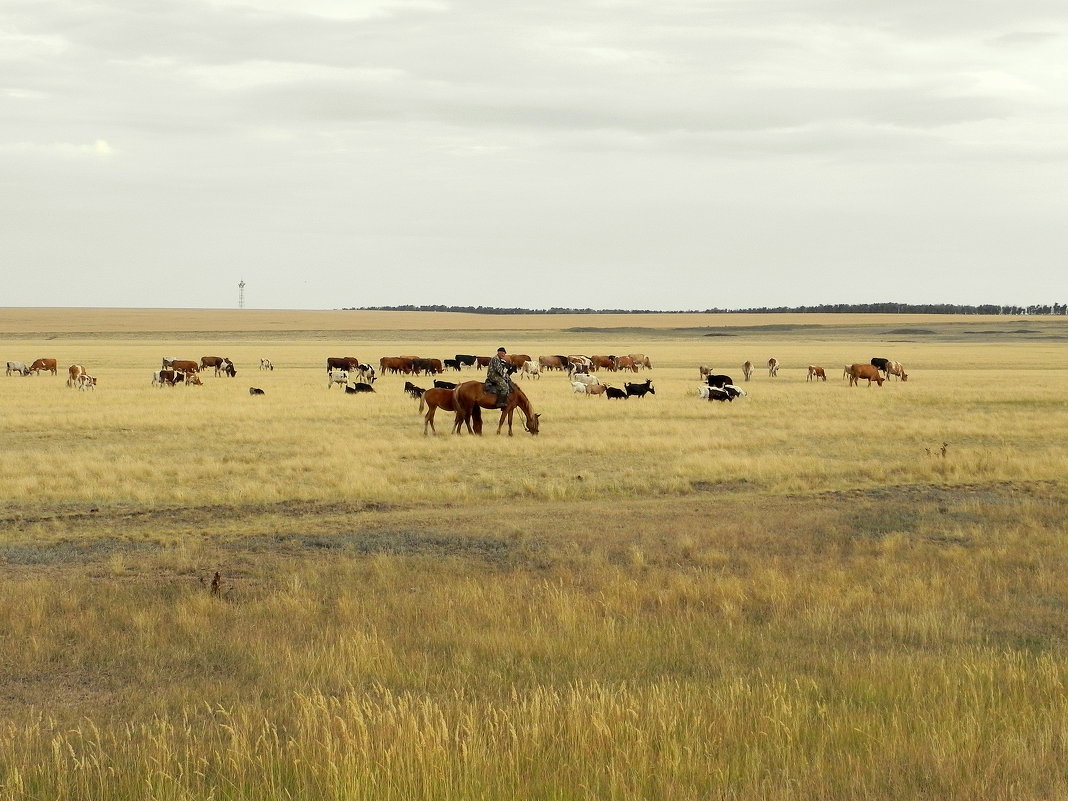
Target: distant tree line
<point>828,308</point>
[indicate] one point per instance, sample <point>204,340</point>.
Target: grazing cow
<point>845,371</point>
<point>714,380</point>
<point>439,384</point>
<point>596,389</point>
<point>337,376</point>
<point>578,387</point>
<point>226,368</point>
<point>184,365</point>
<point>747,369</point>
<point>640,360</point>
<point>585,378</point>
<point>531,369</point>
<point>626,363</point>
<point>366,373</point>
<point>773,367</point>
<point>614,393</point>
<point>265,364</point>
<point>396,364</point>
<point>640,390</point>
<point>734,391</point>
<point>74,372</point>
<point>17,367</point>
<point>256,391</point>
<point>167,377</point>
<point>427,366</point>
<point>466,361</point>
<point>47,365</point>
<point>575,369</point>
<point>358,387</point>
<point>450,364</point>
<point>607,362</point>
<point>552,362</point>
<point>896,369</point>
<point>193,380</point>
<point>215,362</point>
<point>86,381</point>
<point>815,373</point>
<point>881,365</point>
<point>864,371</point>
<point>413,390</point>
<point>345,363</point>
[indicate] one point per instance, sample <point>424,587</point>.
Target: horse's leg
<point>430,421</point>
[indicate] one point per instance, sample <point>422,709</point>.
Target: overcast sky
<point>662,154</point>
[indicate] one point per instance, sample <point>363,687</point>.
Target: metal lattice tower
<point>241,294</point>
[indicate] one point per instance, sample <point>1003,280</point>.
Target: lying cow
<point>256,391</point>
<point>869,372</point>
<point>358,387</point>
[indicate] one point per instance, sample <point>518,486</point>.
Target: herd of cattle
<point>582,372</point>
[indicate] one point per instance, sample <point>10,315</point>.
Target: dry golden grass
<point>792,596</point>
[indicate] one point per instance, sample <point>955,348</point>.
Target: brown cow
<point>48,365</point>
<point>815,373</point>
<point>212,361</point>
<point>864,371</point>
<point>626,363</point>
<point>896,369</point>
<point>346,363</point>
<point>74,372</point>
<point>607,362</point>
<point>517,359</point>
<point>641,360</point>
<point>552,362</point>
<point>184,366</point>
<point>395,364</point>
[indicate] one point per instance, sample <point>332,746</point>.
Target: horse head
<point>531,424</point>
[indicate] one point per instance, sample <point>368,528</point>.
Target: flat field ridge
<point>813,592</point>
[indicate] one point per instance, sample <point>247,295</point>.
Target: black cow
<point>256,391</point>
<point>882,365</point>
<point>444,384</point>
<point>465,361</point>
<point>413,390</point>
<point>640,390</point>
<point>718,380</point>
<point>451,364</point>
<point>616,392</point>
<point>358,387</point>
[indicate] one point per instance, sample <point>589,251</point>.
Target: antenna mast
<point>241,294</point>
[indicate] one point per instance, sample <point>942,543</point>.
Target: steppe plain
<point>813,592</point>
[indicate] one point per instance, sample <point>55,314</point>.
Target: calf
<point>451,364</point>
<point>74,372</point>
<point>265,364</point>
<point>226,368</point>
<point>167,377</point>
<point>358,387</point>
<point>256,391</point>
<point>815,373</point>
<point>717,394</point>
<point>337,376</point>
<point>444,384</point>
<point>615,393</point>
<point>413,390</point>
<point>531,369</point>
<point>86,381</point>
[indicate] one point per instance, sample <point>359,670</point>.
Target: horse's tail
<point>422,400</point>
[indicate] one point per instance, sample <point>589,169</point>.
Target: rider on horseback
<point>498,381</point>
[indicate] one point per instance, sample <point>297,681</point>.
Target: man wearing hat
<point>498,381</point>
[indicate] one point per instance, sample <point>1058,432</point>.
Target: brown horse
<point>472,395</point>
<point>438,398</point>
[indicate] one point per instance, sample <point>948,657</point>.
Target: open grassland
<point>796,595</point>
